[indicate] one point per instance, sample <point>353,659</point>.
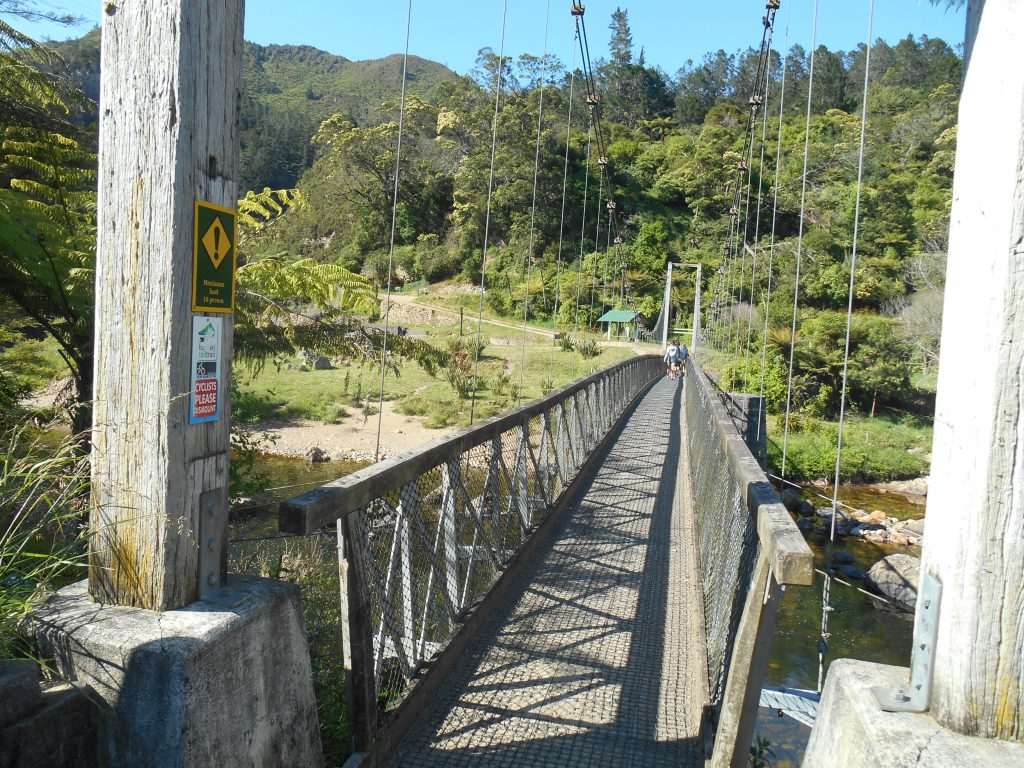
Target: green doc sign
<point>213,265</point>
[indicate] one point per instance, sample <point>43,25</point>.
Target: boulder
<point>878,516</point>
<point>852,571</point>
<point>805,525</point>
<point>316,455</point>
<point>842,556</point>
<point>796,504</point>
<point>915,526</point>
<point>896,577</point>
<point>866,528</point>
<point>322,364</point>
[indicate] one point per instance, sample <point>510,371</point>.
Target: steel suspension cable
<point>533,206</point>
<point>487,218</point>
<point>827,585</point>
<point>757,227</point>
<point>800,241</point>
<point>583,228</point>
<point>561,223</point>
<point>597,240</point>
<point>775,211</point>
<point>394,221</point>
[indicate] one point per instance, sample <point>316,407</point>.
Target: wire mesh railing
<point>426,534</point>
<point>747,547</point>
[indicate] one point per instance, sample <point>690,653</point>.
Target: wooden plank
<point>170,94</point>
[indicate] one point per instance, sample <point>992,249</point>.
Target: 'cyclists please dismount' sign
<point>214,256</point>
<point>204,401</point>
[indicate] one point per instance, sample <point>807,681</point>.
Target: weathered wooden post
<point>974,542</point>
<point>225,681</point>
<point>170,98</point>
<point>967,674</point>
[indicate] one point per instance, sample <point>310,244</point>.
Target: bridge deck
<point>598,659</point>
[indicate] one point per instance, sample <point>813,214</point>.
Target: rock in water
<point>852,571</point>
<point>843,557</point>
<point>317,455</point>
<point>896,577</point>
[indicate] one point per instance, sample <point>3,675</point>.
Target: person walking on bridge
<point>684,355</point>
<point>672,358</point>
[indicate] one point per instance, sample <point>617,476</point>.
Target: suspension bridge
<point>590,578</point>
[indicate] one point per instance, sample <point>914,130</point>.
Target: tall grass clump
<point>43,503</point>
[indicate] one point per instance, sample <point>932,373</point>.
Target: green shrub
<point>588,348</point>
<point>566,343</point>
<point>459,372</point>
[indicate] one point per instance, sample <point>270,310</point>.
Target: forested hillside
<point>675,144</point>
<point>289,90</point>
<point>330,127</point>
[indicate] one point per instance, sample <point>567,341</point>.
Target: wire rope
<point>757,227</point>
<point>583,229</point>
<point>597,239</point>
<point>561,223</point>
<point>533,206</point>
<point>487,217</point>
<point>800,241</point>
<point>775,211</point>
<point>394,222</point>
<point>827,585</point>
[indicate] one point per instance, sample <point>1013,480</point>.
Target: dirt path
<point>352,439</point>
<point>410,300</point>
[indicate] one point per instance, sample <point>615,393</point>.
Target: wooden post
<point>170,97</point>
<point>974,541</point>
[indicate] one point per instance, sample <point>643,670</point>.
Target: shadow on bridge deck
<point>599,655</point>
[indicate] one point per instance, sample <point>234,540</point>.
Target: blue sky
<point>451,31</point>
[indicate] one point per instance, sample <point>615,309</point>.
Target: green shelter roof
<point>617,316</point>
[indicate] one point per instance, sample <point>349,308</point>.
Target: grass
<point>324,395</point>
<point>878,449</point>
<point>43,496</point>
<point>894,445</point>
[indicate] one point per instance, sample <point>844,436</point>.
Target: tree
<point>47,243</point>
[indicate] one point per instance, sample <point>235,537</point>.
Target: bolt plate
<point>917,696</point>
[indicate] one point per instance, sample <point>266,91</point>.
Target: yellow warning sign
<point>213,273</point>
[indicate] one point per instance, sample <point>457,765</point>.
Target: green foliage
<point>588,348</point>
<point>47,242</point>
<point>761,753</point>
<point>459,372</point>
<point>43,498</point>
<point>876,449</point>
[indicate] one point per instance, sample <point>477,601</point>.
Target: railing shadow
<point>572,670</point>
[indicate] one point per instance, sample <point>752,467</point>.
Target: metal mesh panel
<point>432,534</point>
<point>727,541</point>
<point>426,552</point>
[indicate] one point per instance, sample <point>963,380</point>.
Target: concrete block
<point>19,690</point>
<point>224,682</point>
<point>62,733</point>
<point>852,731</point>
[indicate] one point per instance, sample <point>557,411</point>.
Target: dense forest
<point>328,127</point>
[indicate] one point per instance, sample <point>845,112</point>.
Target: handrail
<point>322,506</point>
<point>429,539</point>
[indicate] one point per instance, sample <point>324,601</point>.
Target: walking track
<point>598,658</point>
